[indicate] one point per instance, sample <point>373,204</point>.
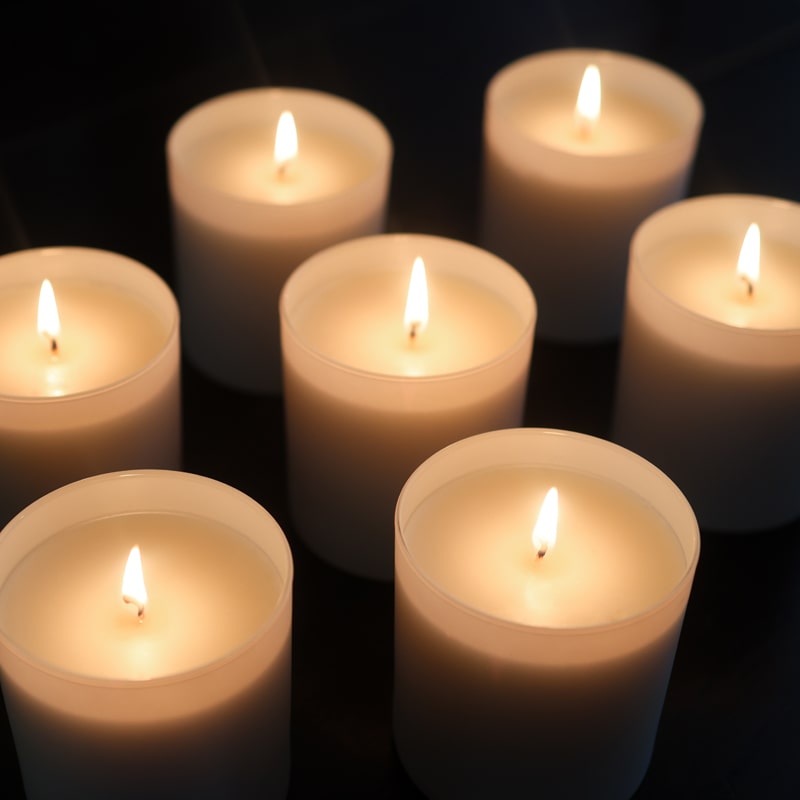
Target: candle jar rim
<point>691,112</point>
<point>531,458</point>
<point>206,490</point>
<point>181,129</point>
<point>779,219</point>
<point>524,302</point>
<point>125,271</point>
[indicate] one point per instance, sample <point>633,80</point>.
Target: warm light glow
<point>544,531</point>
<point>48,322</point>
<point>285,140</point>
<point>133,589</point>
<point>749,264</point>
<point>587,109</point>
<point>416,316</point>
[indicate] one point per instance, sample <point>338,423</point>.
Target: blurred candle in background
<point>579,147</point>
<point>251,200</point>
<point>709,373</point>
<point>90,373</point>
<point>383,365</point>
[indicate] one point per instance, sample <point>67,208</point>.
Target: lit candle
<point>536,660</point>
<point>89,379</point>
<point>566,182</point>
<point>371,391</point>
<point>175,685</point>
<point>709,374</point>
<point>251,199</point>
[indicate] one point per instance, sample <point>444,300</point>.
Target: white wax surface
<point>627,123</point>
<point>699,273</point>
<point>209,589</point>
<point>106,335</point>
<point>615,556</point>
<point>357,320</point>
<point>239,162</point>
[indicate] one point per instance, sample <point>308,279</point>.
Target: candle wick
<point>412,331</point>
<point>139,606</point>
<point>540,553</point>
<point>749,285</point>
<point>53,346</point>
<point>282,170</point>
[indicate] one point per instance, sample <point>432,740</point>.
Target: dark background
<point>88,93</point>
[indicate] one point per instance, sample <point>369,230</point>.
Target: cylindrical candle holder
<point>242,222</point>
<point>189,700</point>
<point>518,668</point>
<point>708,385</point>
<point>366,401</point>
<point>108,396</point>
<point>561,199</point>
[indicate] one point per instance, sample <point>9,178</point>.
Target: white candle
<point>562,195</point>
<point>191,698</point>
<point>366,401</point>
<point>515,671</point>
<point>709,374</point>
<point>244,220</point>
<point>109,396</point>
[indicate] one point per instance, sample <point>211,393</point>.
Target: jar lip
<point>124,269</point>
<point>381,151</point>
<point>531,437</point>
<point>271,533</point>
<point>405,241</point>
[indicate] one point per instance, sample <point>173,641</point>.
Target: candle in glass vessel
<point>249,206</point>
<point>373,387</point>
<point>91,386</point>
<point>175,684</point>
<point>708,385</point>
<point>566,183</point>
<point>536,659</point>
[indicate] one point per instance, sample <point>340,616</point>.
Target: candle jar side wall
<point>241,750</point>
<point>145,436</point>
<point>736,455</point>
<point>347,461</point>
<point>531,222</point>
<point>236,338</point>
<point>572,731</point>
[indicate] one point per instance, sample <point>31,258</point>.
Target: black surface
<point>89,92</point>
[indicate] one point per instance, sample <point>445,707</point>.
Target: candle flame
<point>416,315</point>
<point>544,531</point>
<point>749,264</point>
<point>285,141</point>
<point>48,323</point>
<point>133,588</point>
<point>587,109</point>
